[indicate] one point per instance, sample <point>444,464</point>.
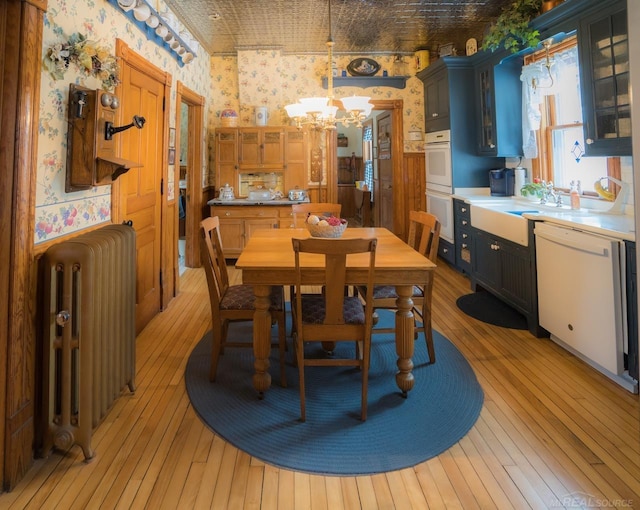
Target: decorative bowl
<point>326,230</point>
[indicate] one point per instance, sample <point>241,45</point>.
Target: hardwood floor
<point>553,433</point>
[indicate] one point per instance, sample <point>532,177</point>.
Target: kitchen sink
<point>507,223</point>
<point>504,217</point>
<point>520,213</point>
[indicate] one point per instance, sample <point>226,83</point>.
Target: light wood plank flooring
<point>553,433</point>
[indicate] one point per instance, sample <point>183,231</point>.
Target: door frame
<point>21,23</point>
<point>396,106</point>
<point>195,104</point>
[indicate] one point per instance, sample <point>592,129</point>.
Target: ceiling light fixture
<point>320,112</point>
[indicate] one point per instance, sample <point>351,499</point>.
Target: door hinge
<point>164,103</point>
<point>162,186</point>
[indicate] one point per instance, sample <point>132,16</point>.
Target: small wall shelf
<point>151,35</point>
<point>398,82</point>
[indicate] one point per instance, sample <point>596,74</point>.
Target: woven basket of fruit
<point>325,226</point>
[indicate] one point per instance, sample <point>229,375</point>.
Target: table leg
<point>404,338</point>
<point>261,339</point>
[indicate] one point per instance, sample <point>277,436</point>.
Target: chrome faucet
<point>550,194</point>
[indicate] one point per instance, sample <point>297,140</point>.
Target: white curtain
<point>539,79</point>
<point>537,82</point>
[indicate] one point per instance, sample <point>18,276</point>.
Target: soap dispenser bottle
<point>574,195</point>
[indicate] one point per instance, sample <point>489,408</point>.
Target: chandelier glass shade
<point>320,112</point>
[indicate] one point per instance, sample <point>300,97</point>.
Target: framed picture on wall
<point>172,156</point>
<point>172,137</point>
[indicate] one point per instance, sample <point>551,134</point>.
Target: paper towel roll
<point>520,179</point>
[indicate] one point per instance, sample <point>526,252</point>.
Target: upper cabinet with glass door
<point>604,76</point>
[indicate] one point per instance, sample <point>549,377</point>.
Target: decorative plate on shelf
<point>363,67</point>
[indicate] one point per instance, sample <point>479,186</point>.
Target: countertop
<point>619,226</point>
<point>246,201</point>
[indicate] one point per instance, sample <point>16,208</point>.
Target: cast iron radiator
<point>89,335</point>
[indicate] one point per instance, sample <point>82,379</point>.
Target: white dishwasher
<point>581,296</point>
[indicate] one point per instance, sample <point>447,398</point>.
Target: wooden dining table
<point>268,259</point>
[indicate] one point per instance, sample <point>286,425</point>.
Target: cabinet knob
<point>464,236</point>
<point>464,245</point>
<point>589,141</point>
<point>463,209</point>
<point>445,250</point>
<point>434,114</point>
<point>227,213</point>
<point>465,222</point>
<point>492,145</point>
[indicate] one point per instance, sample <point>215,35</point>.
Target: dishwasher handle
<point>573,243</point>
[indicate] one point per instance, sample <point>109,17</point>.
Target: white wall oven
<point>438,162</point>
<point>439,185</point>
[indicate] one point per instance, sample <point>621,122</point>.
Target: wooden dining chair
<point>233,302</point>
<point>332,316</point>
<point>301,211</point>
<point>424,236</point>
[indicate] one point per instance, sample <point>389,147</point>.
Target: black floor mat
<point>485,307</point>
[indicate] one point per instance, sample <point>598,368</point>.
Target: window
<point>555,82</point>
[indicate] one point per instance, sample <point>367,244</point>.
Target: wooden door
<point>227,157</point>
<point>385,170</point>
<point>250,226</point>
<point>297,158</point>
<point>249,148</point>
<point>272,148</point>
<point>261,148</point>
<point>139,194</point>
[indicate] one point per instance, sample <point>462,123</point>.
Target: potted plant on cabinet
<point>512,28</point>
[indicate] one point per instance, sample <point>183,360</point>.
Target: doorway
<point>395,111</point>
<point>383,188</point>
<point>189,131</point>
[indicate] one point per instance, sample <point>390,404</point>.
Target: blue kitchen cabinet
<point>447,251</point>
<point>463,235</point>
<point>604,79</point>
<point>507,270</point>
<point>499,106</point>
<point>450,104</point>
<point>436,103</point>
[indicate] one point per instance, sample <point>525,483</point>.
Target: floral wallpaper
<point>59,213</point>
<point>242,82</point>
<point>272,79</point>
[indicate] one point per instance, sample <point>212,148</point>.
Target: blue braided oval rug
<point>444,404</point>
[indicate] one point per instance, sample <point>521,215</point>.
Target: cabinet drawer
<point>285,223</point>
<point>462,211</point>
<point>245,212</point>
<point>446,251</point>
<point>285,212</point>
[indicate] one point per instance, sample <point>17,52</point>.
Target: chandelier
<point>320,112</point>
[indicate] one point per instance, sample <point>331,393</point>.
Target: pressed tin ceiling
<point>223,27</point>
